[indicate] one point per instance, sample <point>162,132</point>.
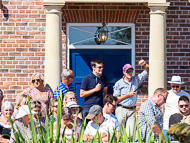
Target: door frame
<point>131,46</point>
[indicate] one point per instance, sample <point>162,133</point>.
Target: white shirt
<point>112,119</point>
<point>106,126</point>
<point>171,106</point>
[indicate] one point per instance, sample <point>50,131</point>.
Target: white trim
<point>130,46</point>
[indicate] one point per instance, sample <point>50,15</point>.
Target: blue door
<point>113,61</point>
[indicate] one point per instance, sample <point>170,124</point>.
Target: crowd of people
<point>98,106</point>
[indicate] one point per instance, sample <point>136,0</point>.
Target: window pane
<point>85,36</point>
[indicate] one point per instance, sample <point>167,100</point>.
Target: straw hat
<point>176,79</point>
<point>22,111</point>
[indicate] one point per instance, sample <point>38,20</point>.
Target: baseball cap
<point>127,66</point>
<point>94,110</point>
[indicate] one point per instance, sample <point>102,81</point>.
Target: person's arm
<point>105,89</point>
<point>106,137</point>
<point>156,129</point>
<point>84,93</point>
<point>85,137</point>
<point>123,97</point>
<point>146,66</point>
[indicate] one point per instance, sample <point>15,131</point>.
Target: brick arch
<point>113,13</point>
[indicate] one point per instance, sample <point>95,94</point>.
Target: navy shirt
<point>89,82</point>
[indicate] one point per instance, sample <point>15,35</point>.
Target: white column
<point>157,48</point>
<point>53,46</point>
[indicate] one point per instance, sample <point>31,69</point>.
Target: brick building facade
<point>22,38</point>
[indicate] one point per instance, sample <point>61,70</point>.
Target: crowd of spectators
<point>98,106</point>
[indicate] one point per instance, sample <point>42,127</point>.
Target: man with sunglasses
<point>65,84</point>
<point>171,106</point>
<point>149,112</point>
<point>110,104</point>
<point>184,112</point>
<point>93,87</point>
<point>124,90</point>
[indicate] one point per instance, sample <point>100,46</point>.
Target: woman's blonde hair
<point>67,96</point>
<point>22,100</point>
<point>39,75</point>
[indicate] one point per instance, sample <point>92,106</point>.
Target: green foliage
<point>41,135</point>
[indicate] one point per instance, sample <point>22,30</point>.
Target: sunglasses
<point>175,86</point>
<point>113,105</point>
<point>56,106</point>
<point>164,97</point>
<point>131,71</point>
<point>36,102</point>
<point>100,67</point>
<point>69,119</point>
<point>75,110</point>
<point>34,80</point>
<point>71,76</point>
<point>186,106</point>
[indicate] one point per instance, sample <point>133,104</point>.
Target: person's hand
<point>142,62</point>
<point>132,93</point>
<point>103,135</point>
<point>98,87</point>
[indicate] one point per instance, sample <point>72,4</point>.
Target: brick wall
<point>178,40</point>
<point>22,44</point>
<point>22,38</point>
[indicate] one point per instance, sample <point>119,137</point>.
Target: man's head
<point>160,96</point>
<point>110,103</point>
<point>95,113</point>
<point>183,105</point>
<point>97,67</point>
<point>176,84</point>
<point>67,76</point>
<point>128,71</point>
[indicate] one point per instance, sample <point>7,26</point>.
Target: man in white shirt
<point>96,115</point>
<point>110,104</point>
<point>171,105</point>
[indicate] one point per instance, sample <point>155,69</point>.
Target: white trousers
<point>126,118</point>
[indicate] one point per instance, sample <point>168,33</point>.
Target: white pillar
<point>53,46</point>
<point>157,48</point>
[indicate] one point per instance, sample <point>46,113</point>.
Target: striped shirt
<point>122,87</point>
<point>64,89</point>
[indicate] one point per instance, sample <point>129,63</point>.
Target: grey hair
<point>66,112</point>
<point>7,104</point>
<point>65,73</point>
<point>39,75</point>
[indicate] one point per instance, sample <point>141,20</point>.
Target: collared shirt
<point>122,87</point>
<point>64,89</point>
<point>89,82</point>
<point>91,128</point>
<point>112,118</point>
<point>149,111</point>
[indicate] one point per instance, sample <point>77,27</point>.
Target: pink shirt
<point>35,95</point>
<point>68,133</point>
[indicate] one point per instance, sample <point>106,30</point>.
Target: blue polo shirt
<point>64,89</point>
<point>89,82</point>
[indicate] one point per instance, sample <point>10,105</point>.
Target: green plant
<point>41,135</point>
